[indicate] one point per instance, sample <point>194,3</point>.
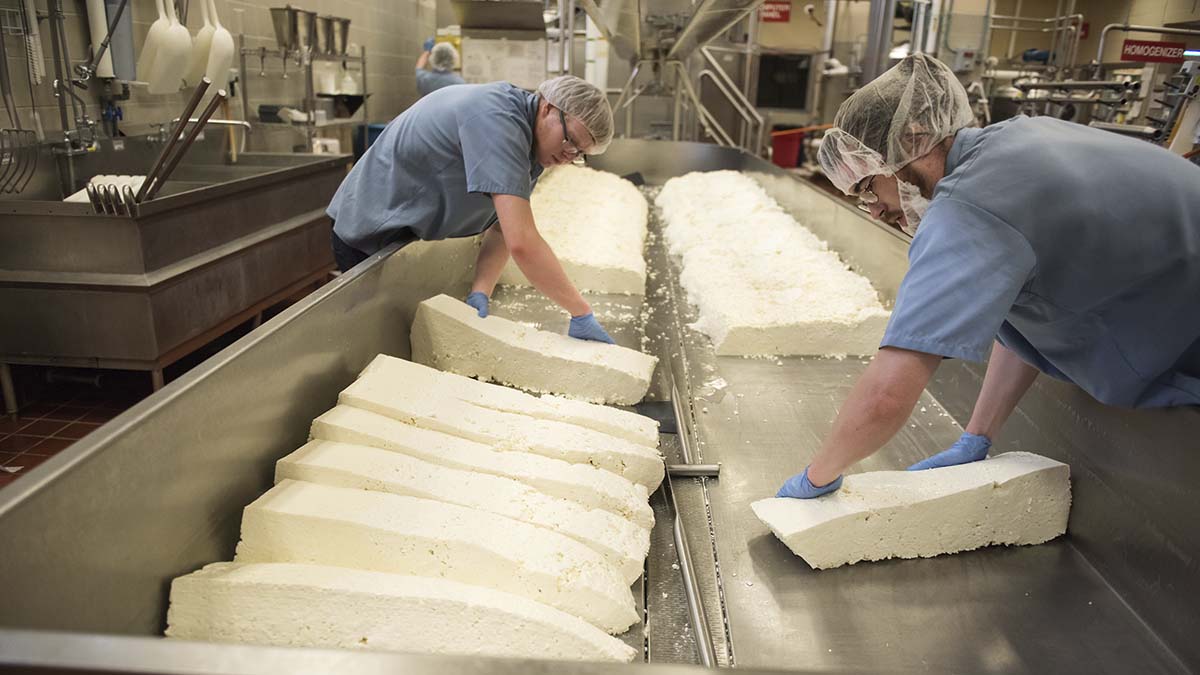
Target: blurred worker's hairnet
<point>583,100</point>
<point>896,118</point>
<point>444,57</point>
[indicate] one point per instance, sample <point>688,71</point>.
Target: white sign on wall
<point>522,62</point>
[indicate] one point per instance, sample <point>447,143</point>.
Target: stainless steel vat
<point>95,535</point>
<point>79,288</point>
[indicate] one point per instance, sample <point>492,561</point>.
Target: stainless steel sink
<point>86,289</point>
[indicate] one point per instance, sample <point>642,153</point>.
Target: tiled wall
<point>391,31</point>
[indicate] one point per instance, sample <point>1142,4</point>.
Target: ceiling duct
<point>620,21</point>
<point>712,18</point>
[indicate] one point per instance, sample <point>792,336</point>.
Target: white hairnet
<point>583,100</point>
<point>896,118</point>
<point>444,57</point>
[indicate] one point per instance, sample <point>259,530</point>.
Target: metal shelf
<point>310,96</point>
<point>312,56</point>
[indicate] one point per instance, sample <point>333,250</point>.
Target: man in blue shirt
<point>464,158</point>
<point>1064,249</point>
<point>435,67</point>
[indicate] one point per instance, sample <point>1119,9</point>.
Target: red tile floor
<point>58,417</point>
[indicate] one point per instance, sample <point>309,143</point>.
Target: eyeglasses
<point>864,192</point>
<point>569,146</point>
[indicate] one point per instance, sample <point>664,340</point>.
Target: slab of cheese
<point>316,524</point>
<point>1013,498</point>
<point>596,223</point>
<point>762,282</point>
<point>448,334</point>
<point>507,431</point>
<point>587,485</point>
<point>622,543</point>
<point>613,421</point>
<point>316,606</point>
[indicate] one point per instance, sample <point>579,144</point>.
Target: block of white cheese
<point>621,542</point>
<point>613,421</point>
<point>316,524</point>
<point>507,431</point>
<point>448,334</point>
<point>763,283</point>
<point>334,607</point>
<point>1013,498</point>
<point>596,223</point>
<point>587,485</point>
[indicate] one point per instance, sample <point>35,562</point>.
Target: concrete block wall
<point>390,30</point>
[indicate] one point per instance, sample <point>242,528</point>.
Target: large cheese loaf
<point>621,542</point>
<point>596,223</point>
<point>613,421</point>
<point>316,524</point>
<point>449,335</point>
<point>316,606</point>
<point>762,282</point>
<point>588,485</point>
<point>506,431</point>
<point>1013,498</point>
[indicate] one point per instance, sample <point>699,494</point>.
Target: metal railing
<point>754,122</point>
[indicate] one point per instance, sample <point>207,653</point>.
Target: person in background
<point>463,159</point>
<point>1062,249</point>
<point>435,67</point>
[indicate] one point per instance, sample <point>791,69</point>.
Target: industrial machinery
<point>659,39</point>
<point>1129,98</point>
<point>93,537</point>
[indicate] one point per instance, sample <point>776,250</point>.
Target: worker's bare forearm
<point>877,407</point>
<point>534,256</point>
<point>1006,381</point>
<point>493,256</point>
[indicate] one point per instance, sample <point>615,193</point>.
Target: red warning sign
<point>1149,51</point>
<point>775,11</point>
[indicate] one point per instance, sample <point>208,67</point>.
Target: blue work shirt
<point>429,81</point>
<point>1078,249</point>
<point>431,174</point>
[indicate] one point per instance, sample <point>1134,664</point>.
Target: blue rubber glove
<point>428,46</point>
<point>799,487</point>
<point>968,448</point>
<point>479,301</point>
<point>587,328</point>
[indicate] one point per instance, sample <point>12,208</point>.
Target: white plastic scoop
<point>171,58</point>
<point>157,29</point>
<point>200,48</point>
<point>220,53</point>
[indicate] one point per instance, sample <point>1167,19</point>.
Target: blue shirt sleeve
<point>496,149</point>
<point>966,269</point>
